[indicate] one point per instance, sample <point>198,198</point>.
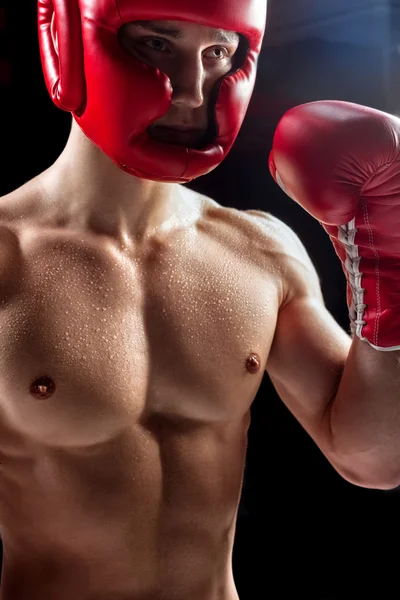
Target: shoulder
<point>266,242</point>
<point>20,203</point>
<point>289,255</point>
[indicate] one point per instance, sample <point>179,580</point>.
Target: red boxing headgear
<point>115,97</point>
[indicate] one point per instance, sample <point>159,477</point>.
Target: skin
<point>138,319</point>
<point>186,54</point>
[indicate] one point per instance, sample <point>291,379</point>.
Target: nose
<point>188,83</point>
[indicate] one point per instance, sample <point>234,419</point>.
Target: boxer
<point>139,317</point>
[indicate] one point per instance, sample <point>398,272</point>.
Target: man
<point>138,317</point>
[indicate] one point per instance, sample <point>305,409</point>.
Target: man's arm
<point>341,162</point>
<point>343,392</point>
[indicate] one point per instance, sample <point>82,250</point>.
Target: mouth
<point>180,127</point>
<point>180,135</point>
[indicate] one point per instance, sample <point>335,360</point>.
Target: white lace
<point>346,235</point>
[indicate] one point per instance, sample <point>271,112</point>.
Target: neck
<point>94,194</point>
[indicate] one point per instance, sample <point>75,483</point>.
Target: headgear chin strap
<point>115,97</point>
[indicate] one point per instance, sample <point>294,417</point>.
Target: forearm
<point>365,416</point>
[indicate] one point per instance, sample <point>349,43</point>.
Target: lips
<point>176,134</point>
<point>178,127</point>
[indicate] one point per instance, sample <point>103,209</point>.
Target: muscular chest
<point>93,340</point>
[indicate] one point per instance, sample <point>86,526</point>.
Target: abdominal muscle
<point>142,514</point>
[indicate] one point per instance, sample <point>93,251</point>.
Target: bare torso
<point>126,380</point>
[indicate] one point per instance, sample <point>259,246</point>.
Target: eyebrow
<point>219,36</point>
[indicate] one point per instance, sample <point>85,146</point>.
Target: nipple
<point>42,388</point>
<point>253,363</point>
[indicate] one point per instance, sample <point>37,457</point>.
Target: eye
<point>218,53</point>
<point>157,44</point>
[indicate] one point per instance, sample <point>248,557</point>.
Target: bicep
<point>309,348</point>
<point>306,361</point>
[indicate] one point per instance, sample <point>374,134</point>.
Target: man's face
<point>194,58</point>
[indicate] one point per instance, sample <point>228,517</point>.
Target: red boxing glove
<point>341,163</point>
